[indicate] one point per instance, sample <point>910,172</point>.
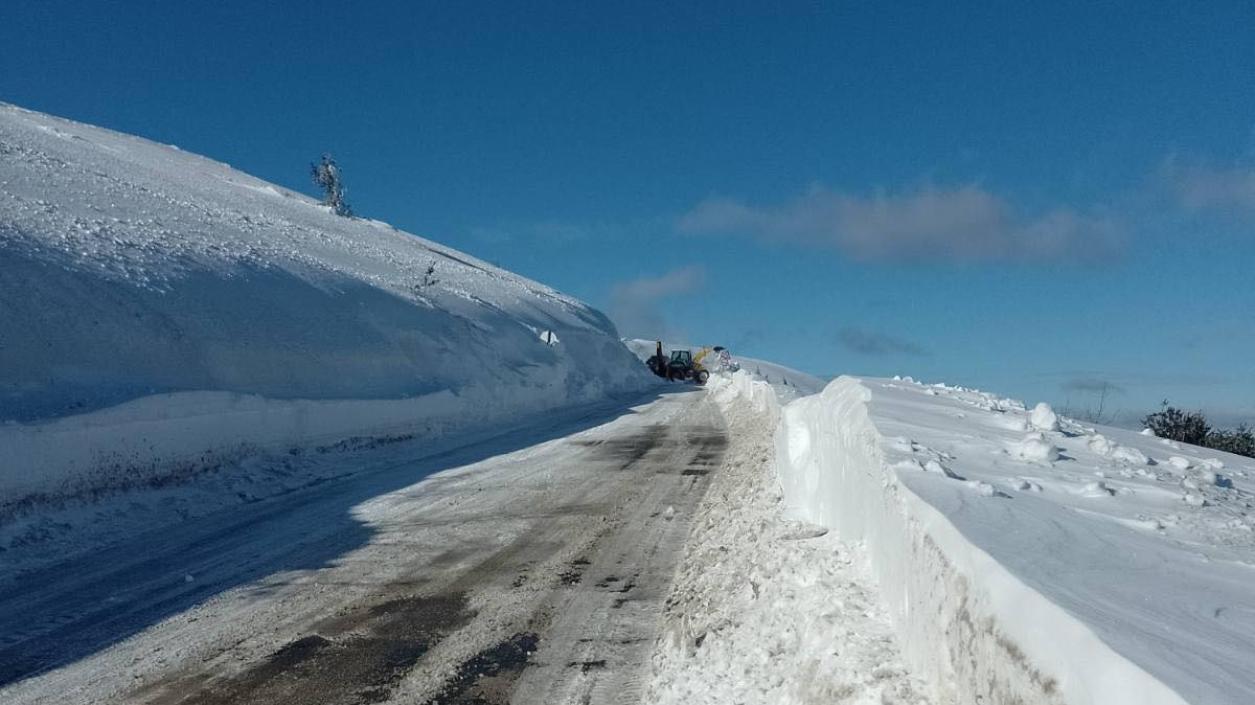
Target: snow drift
<point>1030,559</point>
<point>160,311</point>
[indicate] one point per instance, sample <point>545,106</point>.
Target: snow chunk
<point>1097,489</point>
<point>1035,448</point>
<point>1132,456</point>
<point>1101,445</point>
<point>984,489</point>
<point>938,469</point>
<point>1044,418</point>
<point>1194,500</point>
<point>1026,485</point>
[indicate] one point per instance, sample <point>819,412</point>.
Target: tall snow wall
<point>965,623</point>
<point>161,313</point>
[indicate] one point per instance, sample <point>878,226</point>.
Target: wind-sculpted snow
<point>133,272</point>
<point>1027,558</point>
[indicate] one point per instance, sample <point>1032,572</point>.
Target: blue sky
<point>1032,199</point>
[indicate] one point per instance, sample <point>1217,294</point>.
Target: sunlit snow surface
<point>130,270</point>
<point>1147,543</point>
<point>129,266</point>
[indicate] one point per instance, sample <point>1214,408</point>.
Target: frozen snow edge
<point>168,437</point>
<point>964,621</point>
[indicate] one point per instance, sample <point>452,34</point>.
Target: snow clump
<point>1132,456</point>
<point>938,469</point>
<point>1026,485</point>
<point>984,489</point>
<point>1097,489</point>
<point>1044,418</point>
<point>1035,448</point>
<point>1101,445</point>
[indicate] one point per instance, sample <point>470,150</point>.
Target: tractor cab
<point>682,366</point>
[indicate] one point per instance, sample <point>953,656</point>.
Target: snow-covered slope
<point>788,383</point>
<point>159,309</point>
<point>1031,559</point>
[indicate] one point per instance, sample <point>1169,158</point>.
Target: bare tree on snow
<point>326,176</point>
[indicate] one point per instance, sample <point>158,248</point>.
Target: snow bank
<point>1062,567</point>
<point>791,613</point>
<point>161,311</point>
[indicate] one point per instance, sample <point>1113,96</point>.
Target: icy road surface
<point>519,572</point>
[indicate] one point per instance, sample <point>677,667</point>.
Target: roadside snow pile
<point>163,313</point>
<point>767,610</point>
<point>1061,566</point>
<point>788,383</point>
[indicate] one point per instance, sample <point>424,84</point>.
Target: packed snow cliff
<point>160,310</point>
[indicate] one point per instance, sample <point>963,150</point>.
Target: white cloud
<point>1200,186</point>
<point>635,306</point>
<point>960,224</point>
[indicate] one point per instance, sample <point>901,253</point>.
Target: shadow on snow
<point>67,611</point>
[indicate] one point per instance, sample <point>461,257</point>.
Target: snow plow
<point>685,367</point>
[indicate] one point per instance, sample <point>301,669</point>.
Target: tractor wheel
<point>701,376</point>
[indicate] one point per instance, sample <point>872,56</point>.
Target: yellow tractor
<point>684,365</point>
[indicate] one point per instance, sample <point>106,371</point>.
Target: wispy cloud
<point>1201,186</point>
<point>868,342</point>
<point>954,224</point>
<point>635,306</point>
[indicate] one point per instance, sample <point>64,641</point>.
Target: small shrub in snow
<point>1174,424</point>
<point>1240,441</point>
<point>1044,418</point>
<point>1192,427</point>
<point>429,278</point>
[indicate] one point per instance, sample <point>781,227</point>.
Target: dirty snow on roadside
<point>766,610</point>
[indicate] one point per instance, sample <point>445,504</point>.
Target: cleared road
<point>530,576</point>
